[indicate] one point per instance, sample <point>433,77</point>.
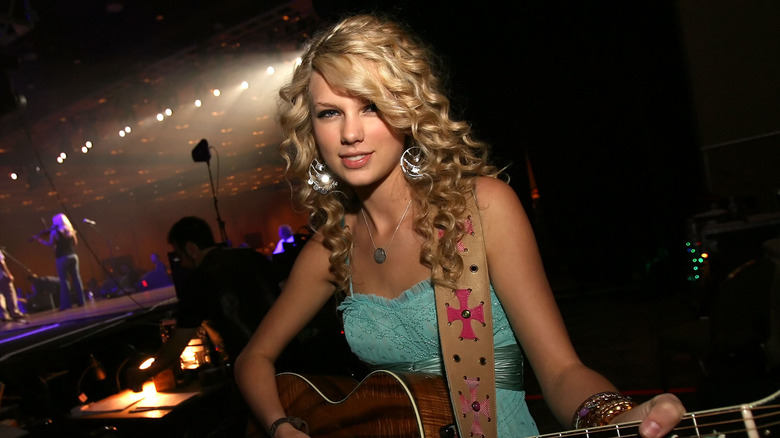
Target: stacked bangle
<point>293,421</point>
<point>600,409</point>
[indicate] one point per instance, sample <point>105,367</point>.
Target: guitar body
<point>384,404</point>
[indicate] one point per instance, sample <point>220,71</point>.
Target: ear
<point>192,250</point>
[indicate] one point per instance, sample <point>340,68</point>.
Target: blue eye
<point>327,114</point>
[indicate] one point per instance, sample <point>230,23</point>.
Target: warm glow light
<point>146,364</point>
<point>14,176</point>
<point>128,129</point>
<point>149,389</point>
<point>160,117</point>
<point>63,155</point>
<point>84,149</point>
<point>216,92</point>
<point>122,133</point>
<point>198,103</point>
<point>194,355</point>
<point>168,112</point>
<point>88,144</point>
<point>704,255</point>
<point>244,85</point>
<point>270,70</point>
<point>60,160</point>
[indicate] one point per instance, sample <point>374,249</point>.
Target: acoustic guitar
<point>388,404</point>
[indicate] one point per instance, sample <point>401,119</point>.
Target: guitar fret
<point>695,425</point>
<point>750,423</point>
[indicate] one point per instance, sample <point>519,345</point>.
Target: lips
<point>355,161</point>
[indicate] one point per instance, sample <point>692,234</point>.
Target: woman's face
<point>355,142</point>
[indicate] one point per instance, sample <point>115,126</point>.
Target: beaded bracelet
<point>600,409</point>
<point>293,421</point>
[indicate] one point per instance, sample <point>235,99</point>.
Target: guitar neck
<point>760,419</point>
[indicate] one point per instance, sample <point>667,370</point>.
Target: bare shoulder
<point>312,265</point>
<point>495,194</point>
<point>501,210</point>
<point>314,248</point>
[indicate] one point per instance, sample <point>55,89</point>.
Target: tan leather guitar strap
<point>466,334</point>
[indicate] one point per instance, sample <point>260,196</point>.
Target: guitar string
<point>690,417</point>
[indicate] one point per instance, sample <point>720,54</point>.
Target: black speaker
<point>201,152</point>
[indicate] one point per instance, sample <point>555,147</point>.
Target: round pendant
<point>380,255</point>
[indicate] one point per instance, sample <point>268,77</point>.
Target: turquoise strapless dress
<point>382,331</point>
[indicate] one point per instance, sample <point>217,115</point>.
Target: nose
<point>351,130</point>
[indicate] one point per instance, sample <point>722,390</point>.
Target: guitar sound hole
<point>448,431</point>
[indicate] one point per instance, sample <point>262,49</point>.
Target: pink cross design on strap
<point>466,314</point>
<point>469,225</point>
<point>468,228</point>
<point>478,408</point>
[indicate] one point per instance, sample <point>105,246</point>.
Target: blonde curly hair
<point>61,223</point>
<point>380,61</point>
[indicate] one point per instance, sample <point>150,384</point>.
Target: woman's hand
<point>658,416</point>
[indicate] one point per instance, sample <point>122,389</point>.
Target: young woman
<point>386,175</point>
<point>64,240</point>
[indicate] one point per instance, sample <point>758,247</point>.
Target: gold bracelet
<point>600,409</point>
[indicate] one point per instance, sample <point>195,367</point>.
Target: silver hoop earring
<point>411,162</point>
<point>319,179</point>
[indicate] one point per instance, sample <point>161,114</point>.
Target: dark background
<point>595,95</point>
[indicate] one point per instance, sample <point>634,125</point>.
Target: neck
<point>384,216</point>
<point>385,201</point>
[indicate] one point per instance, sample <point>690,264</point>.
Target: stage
<point>54,329</point>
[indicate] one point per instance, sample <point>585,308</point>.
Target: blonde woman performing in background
<point>64,240</point>
<point>385,173</point>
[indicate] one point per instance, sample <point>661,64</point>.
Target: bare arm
<point>308,288</point>
<point>52,238</point>
<point>518,276</point>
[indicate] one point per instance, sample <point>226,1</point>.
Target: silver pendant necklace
<point>380,254</point>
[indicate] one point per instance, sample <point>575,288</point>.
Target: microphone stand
<point>220,222</point>
<point>201,153</point>
<point>108,241</point>
<point>10,257</point>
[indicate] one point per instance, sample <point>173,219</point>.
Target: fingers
<point>663,413</point>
